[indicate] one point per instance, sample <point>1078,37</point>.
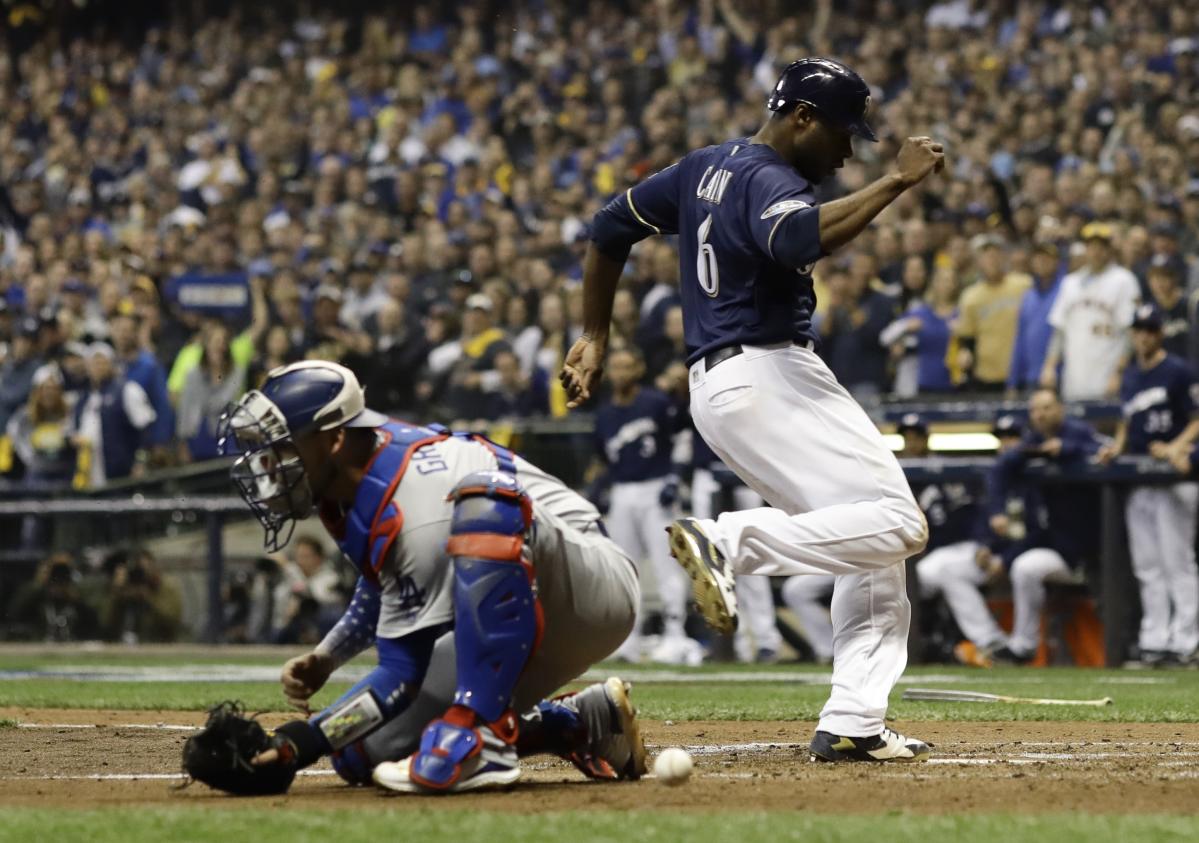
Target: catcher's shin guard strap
<point>497,619</point>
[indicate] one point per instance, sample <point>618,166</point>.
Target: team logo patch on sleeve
<point>784,207</point>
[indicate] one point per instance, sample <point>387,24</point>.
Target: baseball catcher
<point>485,584</point>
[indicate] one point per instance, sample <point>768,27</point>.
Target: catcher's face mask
<point>268,471</point>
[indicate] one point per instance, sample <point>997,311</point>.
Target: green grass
<point>118,825</point>
<point>1175,699</point>
<point>7,723</point>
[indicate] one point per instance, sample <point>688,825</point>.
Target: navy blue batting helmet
<point>828,86</point>
<point>260,430</point>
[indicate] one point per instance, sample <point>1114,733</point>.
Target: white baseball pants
<point>1161,541</point>
<point>1029,573</point>
<point>952,572</point>
<point>841,505</point>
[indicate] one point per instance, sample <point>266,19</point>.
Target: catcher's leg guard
<point>497,625</point>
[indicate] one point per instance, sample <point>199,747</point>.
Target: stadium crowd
<point>409,193</point>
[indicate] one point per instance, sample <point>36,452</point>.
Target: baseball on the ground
<point>673,766</point>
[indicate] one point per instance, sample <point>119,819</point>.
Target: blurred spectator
<point>474,371</point>
<point>244,349</point>
<point>139,365</point>
<point>1166,274</point>
<point>327,337</point>
<point>40,432</point>
<point>851,332</point>
<point>52,606</point>
<point>671,347</point>
<point>276,351</point>
<point>1033,331</point>
<point>308,599</point>
<point>364,297</point>
<point>110,420</point>
<point>16,375</point>
<point>626,319</point>
<point>986,327</point>
<point>140,604</point>
<point>515,394</point>
<point>390,373</point>
<point>1091,319</point>
<point>919,339</point>
<point>208,390</point>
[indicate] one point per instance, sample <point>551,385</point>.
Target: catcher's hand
<point>220,755</point>
<point>303,676</point>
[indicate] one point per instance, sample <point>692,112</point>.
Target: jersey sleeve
<point>648,207</point>
<point>783,218</point>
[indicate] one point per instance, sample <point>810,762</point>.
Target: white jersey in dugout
<point>1093,311</point>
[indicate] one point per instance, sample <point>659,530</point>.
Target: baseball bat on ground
<point>948,695</point>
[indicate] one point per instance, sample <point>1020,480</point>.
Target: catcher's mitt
<point>219,755</point>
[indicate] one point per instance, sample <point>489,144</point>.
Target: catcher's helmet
<point>828,86</point>
<point>259,430</point>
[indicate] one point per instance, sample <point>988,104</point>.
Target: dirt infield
<point>60,758</point>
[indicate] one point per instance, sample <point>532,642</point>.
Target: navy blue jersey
<point>951,510</point>
<point>1158,402</point>
<point>749,233</point>
<point>636,440</point>
<point>1062,516</point>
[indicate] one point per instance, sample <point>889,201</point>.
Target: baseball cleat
<point>889,745</point>
<point>711,577</point>
<point>615,748</point>
<point>495,765</point>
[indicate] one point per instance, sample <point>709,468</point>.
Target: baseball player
<point>950,568</point>
<point>485,585</point>
<point>1161,417</point>
<point>634,437</point>
<point>749,231</point>
<point>1040,534</point>
<point>759,638</point>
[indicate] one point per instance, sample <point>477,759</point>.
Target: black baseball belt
<point>715,358</point>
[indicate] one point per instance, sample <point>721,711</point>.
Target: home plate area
<point>82,758</point>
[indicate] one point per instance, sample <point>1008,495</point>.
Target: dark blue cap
<point>833,89</point>
<point>1173,265</point>
<point>1147,317</point>
<point>1006,425</point>
<point>912,421</point>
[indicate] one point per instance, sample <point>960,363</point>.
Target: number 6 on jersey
<point>706,267</point>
